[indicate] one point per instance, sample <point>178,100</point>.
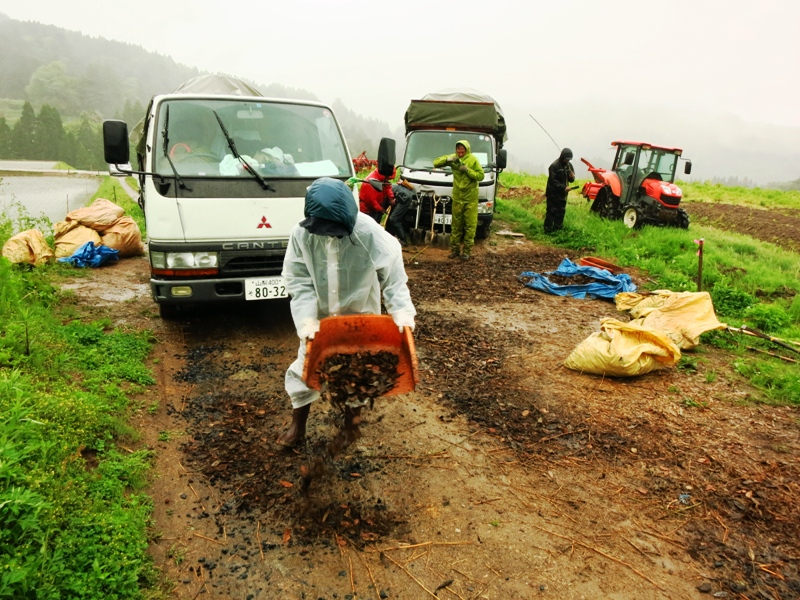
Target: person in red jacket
<point>372,201</point>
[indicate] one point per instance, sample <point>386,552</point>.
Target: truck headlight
<point>485,208</point>
<point>184,260</point>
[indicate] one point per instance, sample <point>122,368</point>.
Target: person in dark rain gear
<point>559,176</point>
<point>403,198</point>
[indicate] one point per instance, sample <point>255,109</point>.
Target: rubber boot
<point>297,429</point>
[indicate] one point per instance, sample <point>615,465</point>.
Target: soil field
<point>779,226</point>
<point>503,476</point>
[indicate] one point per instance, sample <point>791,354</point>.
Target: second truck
<point>433,125</point>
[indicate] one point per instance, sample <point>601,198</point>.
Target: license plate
<point>442,219</point>
<point>265,288</point>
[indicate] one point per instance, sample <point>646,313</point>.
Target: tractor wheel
<point>611,208</point>
<point>683,219</point>
<point>599,204</point>
<point>632,218</point>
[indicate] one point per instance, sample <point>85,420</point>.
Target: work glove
<point>462,168</point>
<point>308,328</point>
<point>453,159</point>
<point>403,319</point>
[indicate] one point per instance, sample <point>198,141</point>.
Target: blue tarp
<point>90,255</point>
<point>607,285</point>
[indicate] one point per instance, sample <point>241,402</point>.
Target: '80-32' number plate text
<point>265,288</point>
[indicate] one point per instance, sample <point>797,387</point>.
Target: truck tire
<point>632,218</point>
<point>482,232</point>
<point>168,312</point>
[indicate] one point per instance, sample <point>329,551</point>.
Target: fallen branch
<point>419,583</point>
<point>209,539</point>
<point>552,437</point>
<point>791,360</point>
<point>601,553</point>
<point>421,545</point>
<point>760,334</point>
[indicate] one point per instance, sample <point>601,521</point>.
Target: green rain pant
<point>465,223</point>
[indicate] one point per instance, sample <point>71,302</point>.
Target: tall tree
<point>51,85</point>
<point>22,135</point>
<point>49,135</point>
<point>5,139</point>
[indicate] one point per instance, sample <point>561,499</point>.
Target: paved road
<point>52,196</point>
<point>38,189</point>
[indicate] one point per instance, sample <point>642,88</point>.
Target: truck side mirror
<point>688,168</point>
<point>386,157</point>
<point>501,160</point>
<point>629,158</point>
<point>115,142</point>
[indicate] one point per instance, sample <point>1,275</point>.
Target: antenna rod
<point>545,130</point>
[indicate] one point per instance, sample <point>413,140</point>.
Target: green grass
<point>750,281</point>
<point>758,197</point>
<point>75,518</point>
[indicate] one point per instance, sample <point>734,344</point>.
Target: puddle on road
<point>104,295</point>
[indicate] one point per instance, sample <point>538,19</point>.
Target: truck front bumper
<point>198,291</point>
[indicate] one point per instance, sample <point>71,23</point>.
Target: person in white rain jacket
<point>338,262</point>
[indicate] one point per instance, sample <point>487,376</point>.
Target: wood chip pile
<point>357,378</point>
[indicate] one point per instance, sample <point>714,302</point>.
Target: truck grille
<point>251,262</point>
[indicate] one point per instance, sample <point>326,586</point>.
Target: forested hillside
<point>71,82</point>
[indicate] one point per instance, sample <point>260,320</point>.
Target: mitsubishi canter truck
<point>433,125</point>
<point>223,174</point>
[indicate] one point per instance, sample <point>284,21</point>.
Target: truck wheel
<point>168,312</point>
<point>482,232</point>
<point>683,219</point>
<point>632,218</point>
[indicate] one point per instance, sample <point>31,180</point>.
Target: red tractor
<point>639,188</point>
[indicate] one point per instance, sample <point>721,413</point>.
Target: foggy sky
<point>738,58</point>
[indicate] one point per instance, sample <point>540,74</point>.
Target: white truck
<point>433,125</point>
<point>223,174</point>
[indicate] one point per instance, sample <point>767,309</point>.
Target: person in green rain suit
<point>467,173</point>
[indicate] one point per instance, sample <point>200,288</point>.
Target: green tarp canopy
<point>461,109</point>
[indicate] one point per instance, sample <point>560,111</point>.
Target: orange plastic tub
<point>593,261</point>
<point>349,334</point>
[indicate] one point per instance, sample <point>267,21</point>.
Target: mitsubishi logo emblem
<point>264,223</point>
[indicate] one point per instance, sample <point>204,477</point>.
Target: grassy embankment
<point>73,515</point>
<point>750,282</point>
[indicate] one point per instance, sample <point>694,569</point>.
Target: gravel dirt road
<point>503,476</point>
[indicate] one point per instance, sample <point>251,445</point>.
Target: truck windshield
<point>424,146</point>
<point>279,140</point>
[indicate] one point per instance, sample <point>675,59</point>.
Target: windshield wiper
<point>165,135</point>
<point>246,166</point>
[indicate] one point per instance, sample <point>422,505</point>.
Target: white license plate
<point>442,219</point>
<point>265,288</point>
